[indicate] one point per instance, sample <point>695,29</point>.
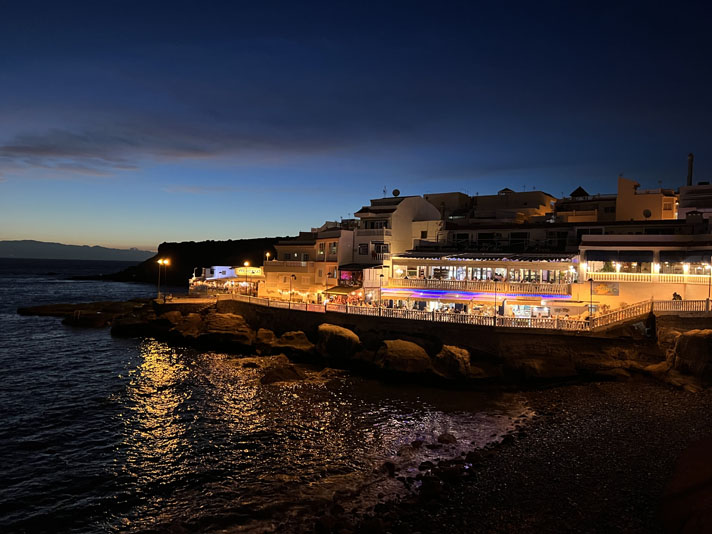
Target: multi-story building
<point>306,266</point>
<point>506,205</point>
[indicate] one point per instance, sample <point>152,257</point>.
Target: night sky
<point>128,124</point>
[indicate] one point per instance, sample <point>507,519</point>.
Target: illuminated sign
<point>248,271</point>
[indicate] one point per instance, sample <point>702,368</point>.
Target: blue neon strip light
<point>465,295</point>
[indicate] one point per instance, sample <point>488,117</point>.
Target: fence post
<point>707,305</point>
<point>432,316</point>
<point>347,307</point>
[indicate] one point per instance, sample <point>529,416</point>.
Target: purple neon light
<point>465,295</point>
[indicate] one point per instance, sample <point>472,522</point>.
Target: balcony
<point>375,232</point>
<point>484,286</point>
<point>660,278</point>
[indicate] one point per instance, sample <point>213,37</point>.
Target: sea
<point>99,434</point>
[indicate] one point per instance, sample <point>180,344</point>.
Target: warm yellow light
<point>584,265</point>
<point>686,268</point>
<point>246,264</point>
<point>164,261</point>
<point>268,255</point>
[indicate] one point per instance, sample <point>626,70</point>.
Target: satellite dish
<point>396,192</point>
<point>647,213</point>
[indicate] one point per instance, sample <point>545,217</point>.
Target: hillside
<point>29,249</point>
<point>190,255</point>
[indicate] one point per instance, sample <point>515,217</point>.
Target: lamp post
<point>380,290</point>
<point>267,255</point>
<point>590,305</point>
<point>291,277</point>
<point>246,265</point>
<point>161,262</point>
<point>495,301</point>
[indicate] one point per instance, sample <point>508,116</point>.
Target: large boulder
<point>403,356</point>
<point>337,342</point>
<point>227,330</point>
<point>294,344</point>
<point>223,323</point>
<point>190,325</point>
<point>452,362</point>
<point>265,341</point>
<point>693,354</point>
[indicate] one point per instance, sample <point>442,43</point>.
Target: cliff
<point>188,255</point>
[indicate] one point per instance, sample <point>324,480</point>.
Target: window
<point>667,205</point>
<point>320,273</point>
<point>305,256</point>
<point>363,249</point>
<point>423,234</point>
<point>287,256</point>
<point>322,248</point>
<point>609,209</point>
<point>333,246</point>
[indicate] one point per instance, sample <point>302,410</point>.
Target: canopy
<point>342,290</point>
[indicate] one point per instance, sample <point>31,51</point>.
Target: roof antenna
<point>384,191</point>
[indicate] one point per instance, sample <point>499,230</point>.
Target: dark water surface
<point>106,435</point>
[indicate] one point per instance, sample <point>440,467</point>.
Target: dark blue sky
<point>131,123</point>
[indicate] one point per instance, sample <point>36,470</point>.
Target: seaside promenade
<point>637,311</point>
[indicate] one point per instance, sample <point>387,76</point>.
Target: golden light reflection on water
<point>154,428</point>
<point>202,428</point>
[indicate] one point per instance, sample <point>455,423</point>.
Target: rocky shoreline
<point>674,355</point>
<point>592,458</point>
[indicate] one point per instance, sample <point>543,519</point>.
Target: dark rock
<point>294,344</point>
<point>452,362</point>
<point>282,373</point>
<point>424,466</point>
<point>403,356</point>
<point>693,354</point>
<point>337,342</point>
<point>389,467</point>
<point>250,365</point>
<point>417,443</point>
<point>447,438</point>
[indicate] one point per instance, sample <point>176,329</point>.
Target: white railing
<point>486,286</point>
<point>634,311</point>
<point>681,305</point>
<point>660,278</point>
<point>624,314</point>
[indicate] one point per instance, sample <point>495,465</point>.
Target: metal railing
<point>486,286</point>
<point>634,311</point>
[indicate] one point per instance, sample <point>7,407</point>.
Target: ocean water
<point>112,435</point>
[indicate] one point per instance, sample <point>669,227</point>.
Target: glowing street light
<point>165,262</point>
<point>246,265</point>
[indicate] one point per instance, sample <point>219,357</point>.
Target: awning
<point>640,256</point>
<point>342,290</point>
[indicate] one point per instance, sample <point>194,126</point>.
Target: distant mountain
<point>57,251</point>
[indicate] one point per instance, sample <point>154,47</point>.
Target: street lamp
<point>267,255</point>
<point>495,301</point>
<point>380,290</point>
<point>590,306</point>
<point>291,277</point>
<point>165,262</point>
<point>246,265</point>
